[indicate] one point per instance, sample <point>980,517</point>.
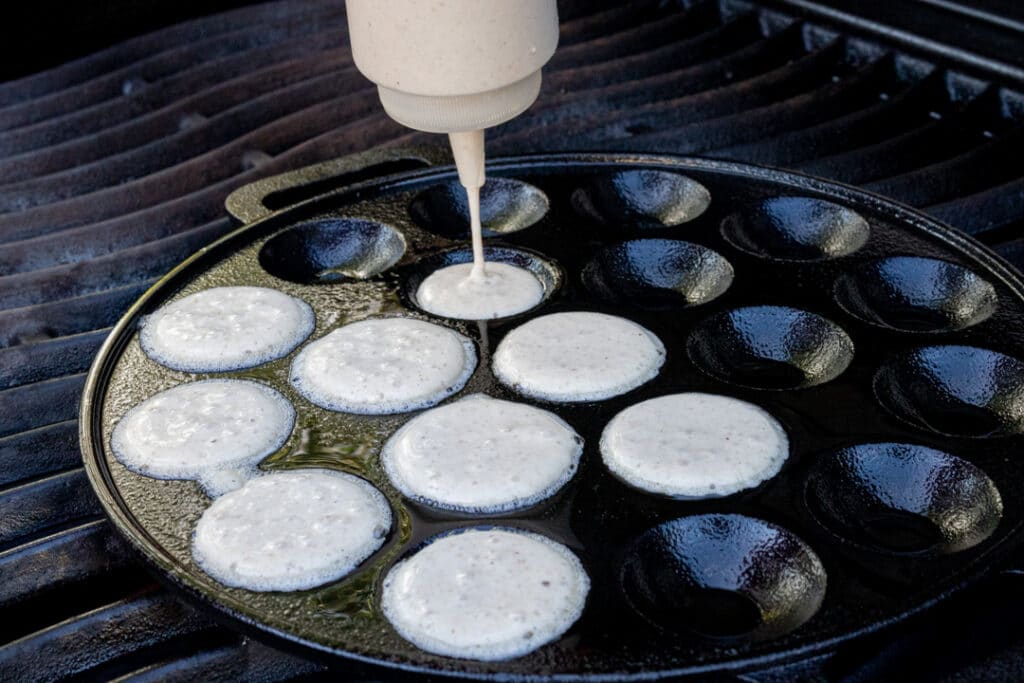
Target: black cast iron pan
<point>884,342</point>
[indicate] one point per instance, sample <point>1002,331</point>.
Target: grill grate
<point>114,167</point>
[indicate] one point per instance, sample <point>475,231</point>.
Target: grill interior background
<point>114,167</point>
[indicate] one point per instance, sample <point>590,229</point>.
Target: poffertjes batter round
<point>578,356</point>
<point>226,328</point>
<point>289,531</point>
<point>481,454</point>
<point>215,431</point>
<point>694,445</point>
<point>499,290</point>
<point>384,365</point>
<point>486,594</point>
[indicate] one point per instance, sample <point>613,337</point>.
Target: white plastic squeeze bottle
<point>456,67</point>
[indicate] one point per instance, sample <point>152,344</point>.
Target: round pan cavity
<point>770,347</point>
<point>797,229</point>
<point>955,390</point>
<point>658,273</point>
<point>723,576</point>
<point>547,272</point>
<point>904,498</point>
<point>641,198</point>
<point>914,294</point>
<point>332,250</point>
<point>506,206</point>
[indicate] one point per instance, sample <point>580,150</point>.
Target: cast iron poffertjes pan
<point>886,344</point>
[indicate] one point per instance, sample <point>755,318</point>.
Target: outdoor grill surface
<point>115,168</point>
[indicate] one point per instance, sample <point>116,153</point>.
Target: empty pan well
<point>641,198</point>
<point>797,229</point>
<point>770,347</point>
<point>904,498</point>
<point>955,390</point>
<point>658,273</point>
<point>506,206</point>
<point>332,250</point>
<point>915,294</point>
<point>723,576</point>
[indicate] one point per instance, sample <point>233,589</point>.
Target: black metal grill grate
<point>114,167</point>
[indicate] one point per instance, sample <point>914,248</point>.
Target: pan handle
<point>261,198</point>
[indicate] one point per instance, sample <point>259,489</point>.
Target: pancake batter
<point>497,291</point>
<point>215,431</point>
<point>289,531</point>
<point>694,445</point>
<point>226,328</point>
<point>578,356</point>
<point>481,454</point>
<point>485,594</point>
<point>384,365</point>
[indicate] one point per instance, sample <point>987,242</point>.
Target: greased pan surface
<point>854,321</point>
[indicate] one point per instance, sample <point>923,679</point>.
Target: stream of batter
<point>477,290</point>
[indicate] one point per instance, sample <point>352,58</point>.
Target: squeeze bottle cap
<point>447,66</point>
